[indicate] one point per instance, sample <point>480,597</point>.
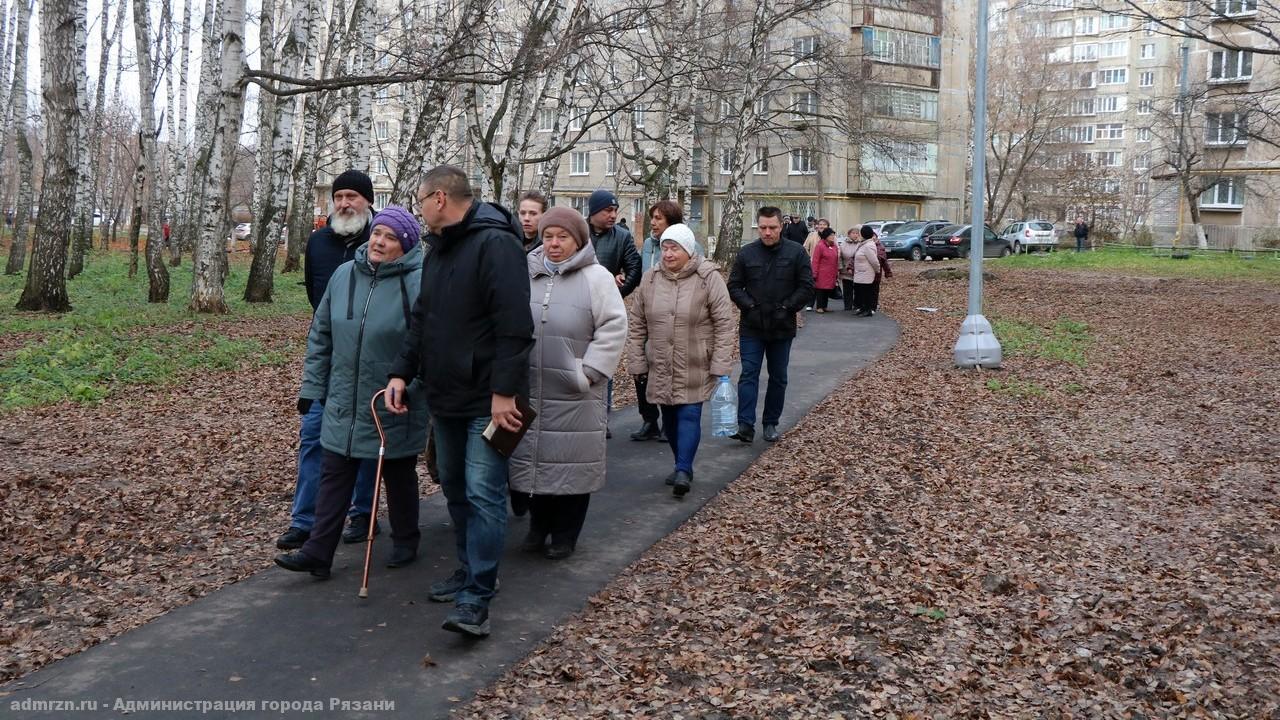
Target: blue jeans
<point>755,352</point>
<point>309,454</point>
<point>684,430</point>
<point>473,478</point>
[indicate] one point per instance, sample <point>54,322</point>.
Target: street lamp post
<point>977,345</point>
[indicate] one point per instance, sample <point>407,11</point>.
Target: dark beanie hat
<point>571,220</point>
<point>866,232</point>
<point>402,223</point>
<point>354,180</point>
<point>600,200</point>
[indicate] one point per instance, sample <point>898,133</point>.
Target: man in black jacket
<point>616,251</point>
<point>795,230</point>
<point>469,341</point>
<point>1081,233</point>
<point>327,248</point>
<point>770,282</point>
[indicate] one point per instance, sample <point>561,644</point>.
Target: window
<point>903,103</point>
<point>381,200</point>
<point>611,162</point>
<point>1080,134</point>
<point>540,168</point>
<point>1087,25</point>
<point>1144,107</point>
<point>1110,187</point>
<point>902,156</point>
<point>1111,131</point>
<point>695,167</point>
<point>379,165</point>
<point>577,118</point>
<point>761,106</point>
<point>1084,53</point>
<point>1227,193</point>
<point>1231,65</point>
<point>804,105</point>
<point>802,162</point>
<point>1144,134</point>
<point>1110,158</point>
<point>637,118</point>
<point>1149,27</point>
<point>1225,128</point>
<point>1059,5</point>
<point>1113,76</point>
<point>581,204</point>
<point>612,121</point>
<point>1087,79</point>
<point>381,130</point>
<point>1147,51</point>
<point>803,49</point>
<point>1146,78</point>
<point>1142,161</point>
<point>728,108</point>
<point>761,166</point>
<point>579,163</point>
<point>726,161</point>
<point>1141,189</point>
<point>1115,22</point>
<point>381,96</point>
<point>1083,106</point>
<point>1232,8</point>
<point>902,48</point>
<point>546,119</point>
<point>1114,49</point>
<point>1060,28</point>
<point>1112,103</point>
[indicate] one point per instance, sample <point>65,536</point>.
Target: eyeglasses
<point>423,198</point>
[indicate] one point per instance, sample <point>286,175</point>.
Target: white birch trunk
<point>303,180</point>
<point>178,148</point>
<point>82,235</point>
<point>210,254</point>
<point>206,101</point>
<point>62,56</point>
<point>6,52</point>
<point>157,274</point>
<point>17,129</point>
<point>366,28</point>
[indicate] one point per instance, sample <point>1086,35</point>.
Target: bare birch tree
<point>17,112</point>
<point>148,174</point>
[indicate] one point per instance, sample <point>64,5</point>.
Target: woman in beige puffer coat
<point>580,327</point>
<point>681,334</point>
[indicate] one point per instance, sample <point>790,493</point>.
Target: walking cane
<point>377,486</point>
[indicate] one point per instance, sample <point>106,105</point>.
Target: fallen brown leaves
<point>1107,546</point>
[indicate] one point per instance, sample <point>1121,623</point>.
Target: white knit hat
<point>681,235</point>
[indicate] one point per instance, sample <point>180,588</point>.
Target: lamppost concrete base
<point>977,345</point>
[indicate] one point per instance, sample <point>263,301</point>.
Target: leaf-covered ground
<point>1092,532</point>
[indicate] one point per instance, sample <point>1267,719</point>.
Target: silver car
<point>1027,235</point>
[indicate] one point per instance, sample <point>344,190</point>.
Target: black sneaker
<point>680,485</point>
<point>444,590</point>
<point>299,561</point>
<point>468,619</point>
<point>745,433</point>
<point>293,538</point>
<point>671,479</point>
<point>647,431</point>
<point>771,433</point>
<point>401,555</point>
<point>558,550</point>
<point>358,529</point>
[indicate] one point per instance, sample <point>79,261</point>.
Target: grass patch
<point>1067,341</point>
<point>1015,387</point>
<point>1211,266</point>
<point>104,297</point>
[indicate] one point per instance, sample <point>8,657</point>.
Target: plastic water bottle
<point>724,409</point>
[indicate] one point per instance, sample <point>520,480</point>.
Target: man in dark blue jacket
<point>770,282</point>
<point>469,342</point>
<point>327,249</point>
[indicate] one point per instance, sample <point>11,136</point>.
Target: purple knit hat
<point>402,223</point>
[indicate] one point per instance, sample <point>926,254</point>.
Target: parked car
<point>241,232</point>
<point>953,241</point>
<point>1027,235</point>
<point>908,240</point>
<point>884,227</point>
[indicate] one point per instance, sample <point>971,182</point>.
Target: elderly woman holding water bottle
<point>681,335</point>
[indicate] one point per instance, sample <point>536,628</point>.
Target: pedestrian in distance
<point>770,282</point>
<point>579,329</point>
<point>530,208</point>
<point>680,335</point>
<point>1081,232</point>
<point>882,255</point>
<point>616,251</point>
<point>864,267</point>
<point>333,244</point>
<point>469,346</point>
<point>826,268</point>
<point>355,335</point>
<point>847,250</point>
<point>795,230</point>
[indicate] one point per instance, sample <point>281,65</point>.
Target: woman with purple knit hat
<point>355,335</point>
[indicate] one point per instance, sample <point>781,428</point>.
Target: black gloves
<point>304,405</point>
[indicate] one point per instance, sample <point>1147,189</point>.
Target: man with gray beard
<point>327,248</point>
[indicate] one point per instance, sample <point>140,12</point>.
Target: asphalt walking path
<point>282,644</point>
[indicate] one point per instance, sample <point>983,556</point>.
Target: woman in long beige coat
<point>865,266</point>
<point>681,334</point>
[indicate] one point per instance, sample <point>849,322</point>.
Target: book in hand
<point>504,442</point>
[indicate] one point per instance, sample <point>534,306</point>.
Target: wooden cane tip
<point>364,592</point>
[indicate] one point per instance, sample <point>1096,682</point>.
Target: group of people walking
<point>489,310</point>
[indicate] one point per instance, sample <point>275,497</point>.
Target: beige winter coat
<point>681,332</point>
<point>866,264</point>
<point>579,325</point>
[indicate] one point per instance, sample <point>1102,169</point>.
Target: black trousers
<point>338,479</point>
<point>560,516</point>
<point>648,411</point>
<point>862,297</point>
<point>823,296</point>
<point>875,294</point>
<point>846,287</point>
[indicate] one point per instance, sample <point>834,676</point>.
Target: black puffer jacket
<point>770,284</point>
<point>616,251</point>
<point>326,251</point>
<point>471,329</point>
